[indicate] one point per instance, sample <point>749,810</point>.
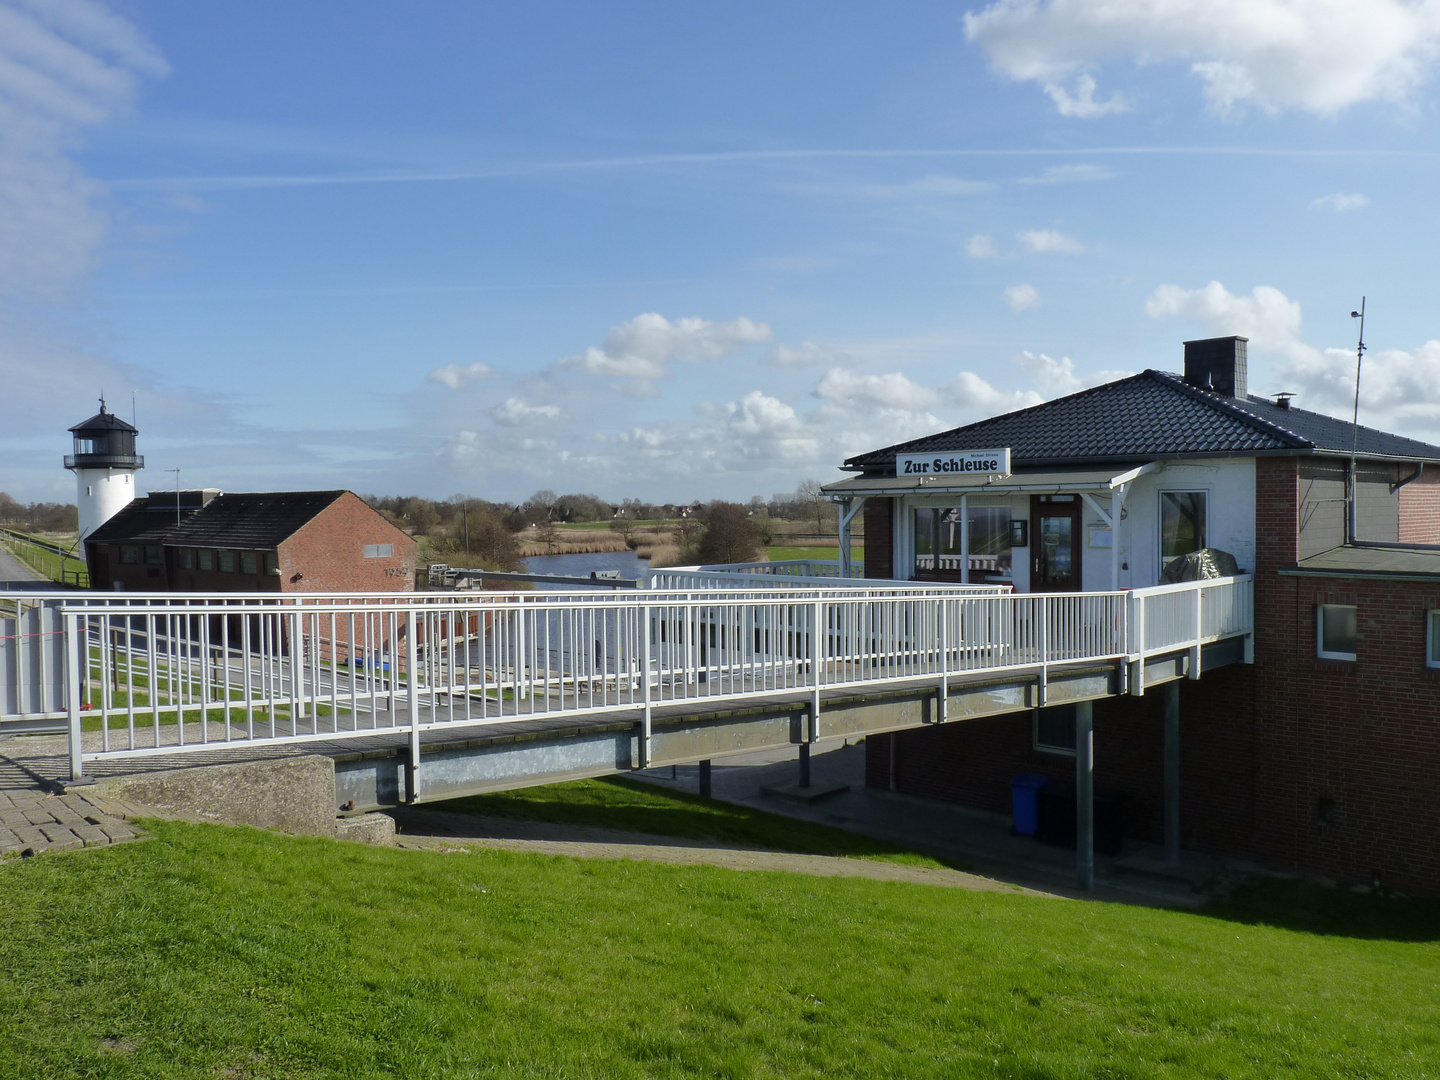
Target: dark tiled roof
<point>260,519</point>
<point>246,520</point>
<point>104,421</point>
<point>1144,417</point>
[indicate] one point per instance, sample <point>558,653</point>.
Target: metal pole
<point>75,681</point>
<point>1172,773</point>
<point>412,680</point>
<point>1085,795</point>
<point>1351,532</point>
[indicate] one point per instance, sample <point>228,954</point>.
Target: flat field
<point>217,952</point>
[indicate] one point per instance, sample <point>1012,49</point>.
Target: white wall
<point>100,494</point>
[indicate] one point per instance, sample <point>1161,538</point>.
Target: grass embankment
<point>778,552</point>
<point>634,806</point>
<point>62,568</point>
<point>215,952</point>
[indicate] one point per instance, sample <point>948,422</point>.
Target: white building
<point>104,464</point>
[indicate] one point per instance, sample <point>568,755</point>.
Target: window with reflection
<point>939,543</point>
<point>1182,524</point>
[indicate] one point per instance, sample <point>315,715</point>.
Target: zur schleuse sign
<point>962,462</point>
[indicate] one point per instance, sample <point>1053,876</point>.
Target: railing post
<point>1194,671</point>
<point>1043,621</point>
<point>644,751</point>
<point>412,698</point>
<point>73,683</point>
<point>943,695</point>
<point>817,660</point>
<point>1137,644</point>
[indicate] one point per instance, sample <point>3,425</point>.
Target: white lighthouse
<point>104,464</point>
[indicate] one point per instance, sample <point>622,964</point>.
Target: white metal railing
<point>144,675</point>
<point>806,568</point>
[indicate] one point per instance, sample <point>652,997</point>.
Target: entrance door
<point>1055,543</point>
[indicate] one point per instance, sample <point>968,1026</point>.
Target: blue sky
<point>686,252</point>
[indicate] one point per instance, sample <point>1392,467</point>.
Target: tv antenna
<point>176,471</point>
<point>1355,418</point>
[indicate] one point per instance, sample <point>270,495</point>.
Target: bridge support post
<point>1085,795</point>
<point>804,764</point>
<point>75,680</point>
<point>705,778</point>
<point>412,695</point>
<point>1172,773</point>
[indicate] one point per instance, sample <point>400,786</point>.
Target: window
<point>1055,729</point>
<point>187,558</point>
<point>1432,639</point>
<point>153,555</point>
<point>86,446</point>
<point>227,562</point>
<point>206,559</point>
<point>1336,631</point>
<point>938,543</point>
<point>1182,524</point>
<point>379,551</point>
<point>129,553</point>
<point>272,564</point>
<point>249,562</point>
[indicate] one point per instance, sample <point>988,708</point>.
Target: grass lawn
<point>617,803</point>
<point>778,552</point>
<point>215,952</point>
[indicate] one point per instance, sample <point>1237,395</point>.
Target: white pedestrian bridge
<point>538,685</point>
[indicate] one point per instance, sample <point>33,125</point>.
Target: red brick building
<point>290,541</point>
<point>1323,756</point>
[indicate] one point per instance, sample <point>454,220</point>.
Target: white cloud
<point>805,354</point>
<point>894,390</point>
<point>1321,56</point>
<point>1399,389</point>
<point>641,350</point>
<point>64,66</point>
<point>455,375</point>
<point>1082,103</point>
<point>926,189</point>
<point>516,413</point>
<point>1070,174</point>
<point>1021,297</point>
<point>1339,202</point>
<point>1055,376</point>
<point>1047,241</point>
<point>980,246</point>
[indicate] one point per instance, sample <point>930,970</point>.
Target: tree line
<point>38,516</point>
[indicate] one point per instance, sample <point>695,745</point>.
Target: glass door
<point>1055,543</point>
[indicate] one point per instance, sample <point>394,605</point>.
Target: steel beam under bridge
<point>523,754</point>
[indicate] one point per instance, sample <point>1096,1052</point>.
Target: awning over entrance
<point>1056,481</point>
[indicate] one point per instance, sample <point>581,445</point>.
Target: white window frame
<point>1161,560</point>
<point>1320,632</point>
<point>379,551</point>
<point>1045,748</point>
<point>1432,638</point>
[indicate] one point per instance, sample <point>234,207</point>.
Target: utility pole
<point>176,471</point>
<point>1351,527</point>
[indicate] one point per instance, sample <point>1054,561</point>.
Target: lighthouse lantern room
<point>104,464</point>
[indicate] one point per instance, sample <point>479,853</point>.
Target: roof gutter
<point>1419,468</point>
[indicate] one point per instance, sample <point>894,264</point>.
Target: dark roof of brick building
<point>1147,416</point>
<point>260,519</point>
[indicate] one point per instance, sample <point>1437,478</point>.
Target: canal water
<point>626,563</point>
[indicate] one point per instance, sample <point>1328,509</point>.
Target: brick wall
<point>1420,509</point>
<point>879,538</point>
<point>1364,735</point>
<point>327,553</point>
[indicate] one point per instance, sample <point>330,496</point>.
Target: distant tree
<point>820,508</point>
<point>625,527</point>
<point>547,534</point>
<point>491,542</point>
<point>730,535</point>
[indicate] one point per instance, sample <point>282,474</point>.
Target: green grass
<point>779,552</point>
<point>215,952</point>
<point>634,806</point>
<point>53,567</point>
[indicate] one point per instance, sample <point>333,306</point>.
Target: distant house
<point>1322,755</point>
<point>289,541</point>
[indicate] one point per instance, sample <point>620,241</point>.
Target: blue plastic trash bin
<point>1025,797</point>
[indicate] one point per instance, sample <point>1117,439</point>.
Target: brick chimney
<point>1217,364</point>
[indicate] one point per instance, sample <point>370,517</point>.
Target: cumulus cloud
<point>1049,241</point>
<point>456,375</point>
<point>515,412</point>
<point>894,390</point>
<point>1399,390</point>
<point>1321,56</point>
<point>64,67</point>
<point>980,246</point>
<point>1339,202</point>
<point>1055,376</point>
<point>1082,103</point>
<point>641,350</point>
<point>1022,297</point>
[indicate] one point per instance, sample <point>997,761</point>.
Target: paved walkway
<point>432,830</point>
<point>33,819</point>
<point>15,575</point>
